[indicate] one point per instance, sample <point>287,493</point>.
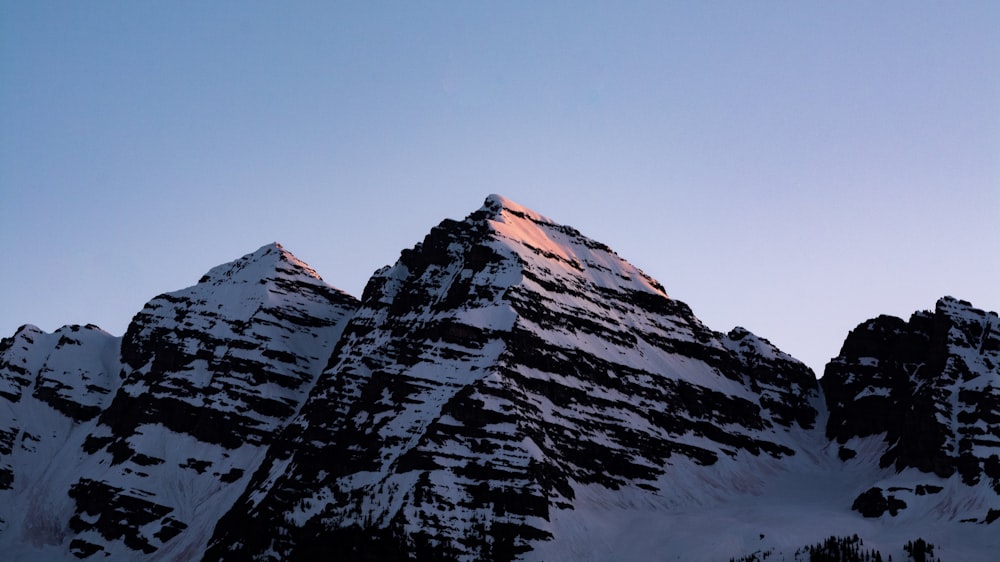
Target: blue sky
<point>791,167</point>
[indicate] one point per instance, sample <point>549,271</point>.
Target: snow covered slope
<point>509,389</point>
<point>52,387</point>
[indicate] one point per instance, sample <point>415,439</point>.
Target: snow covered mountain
<point>926,393</point>
<point>509,389</point>
<point>502,370</point>
<point>137,445</point>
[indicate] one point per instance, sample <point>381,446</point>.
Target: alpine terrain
<point>509,389</point>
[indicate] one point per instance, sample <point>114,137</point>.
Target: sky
<point>794,168</point>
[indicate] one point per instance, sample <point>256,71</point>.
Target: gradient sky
<point>791,167</point>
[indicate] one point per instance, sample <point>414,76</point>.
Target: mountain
<point>502,369</point>
<point>508,389</point>
<point>137,445</point>
<point>926,392</point>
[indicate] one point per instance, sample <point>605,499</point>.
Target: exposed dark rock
<point>873,504</point>
<point>117,515</point>
<point>924,489</point>
<point>896,379</point>
<point>83,549</point>
<point>845,453</point>
<point>992,516</point>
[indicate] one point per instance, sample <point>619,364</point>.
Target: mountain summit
<point>508,389</point>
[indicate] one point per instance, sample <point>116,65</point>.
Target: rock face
<point>509,389</point>
<point>229,360</point>
<point>928,389</point>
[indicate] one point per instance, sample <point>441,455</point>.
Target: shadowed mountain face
<point>508,389</point>
<point>927,387</point>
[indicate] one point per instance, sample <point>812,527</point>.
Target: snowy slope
<point>52,387</point>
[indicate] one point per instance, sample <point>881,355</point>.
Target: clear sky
<point>791,167</point>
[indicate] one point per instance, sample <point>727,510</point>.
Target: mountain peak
<point>560,249</point>
<point>497,204</point>
<point>958,308</point>
<point>265,263</point>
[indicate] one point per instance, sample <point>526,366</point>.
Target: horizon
<point>357,294</point>
<point>795,170</point>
